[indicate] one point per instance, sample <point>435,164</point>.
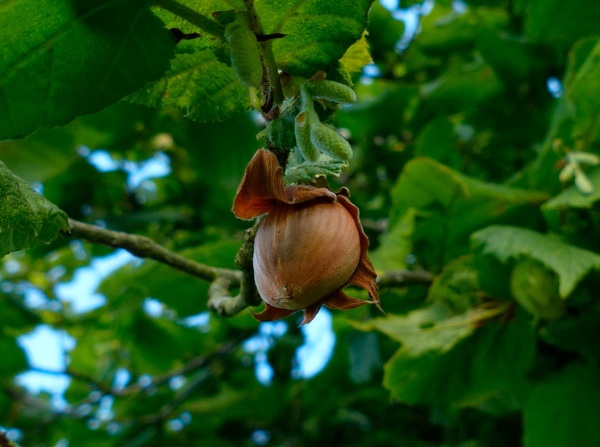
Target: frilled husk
<point>321,234</point>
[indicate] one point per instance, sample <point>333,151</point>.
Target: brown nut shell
<point>303,253</point>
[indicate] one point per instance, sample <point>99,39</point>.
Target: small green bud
<point>583,183</point>
<point>566,174</point>
<point>303,140</point>
<point>244,50</point>
<point>585,158</point>
<point>331,91</point>
<point>536,289</point>
<point>330,142</point>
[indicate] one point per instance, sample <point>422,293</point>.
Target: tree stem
<point>144,247</point>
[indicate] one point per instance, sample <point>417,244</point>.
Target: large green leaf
<point>63,58</point>
<point>563,410</point>
<point>447,362</point>
<point>317,32</point>
<point>433,329</point>
<point>570,263</point>
<point>201,80</point>
<point>453,205</point>
<point>26,218</point>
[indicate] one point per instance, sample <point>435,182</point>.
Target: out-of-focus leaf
<point>433,329</point>
<point>563,410</point>
<point>570,263</point>
<point>573,124</point>
<point>395,245</point>
<point>536,289</point>
<point>365,358</point>
<point>181,292</point>
<point>454,205</point>
<point>39,156</point>
<point>578,334</point>
<point>445,30</point>
<point>573,198</point>
<point>581,84</point>
<point>463,87</point>
<point>13,357</point>
<point>457,287</point>
<point>78,58</point>
<point>460,371</point>
<point>156,345</point>
<point>560,23</point>
<point>26,218</point>
<point>438,141</point>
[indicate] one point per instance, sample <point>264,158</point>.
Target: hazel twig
<point>144,247</point>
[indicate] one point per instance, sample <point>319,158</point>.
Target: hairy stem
<point>273,84</point>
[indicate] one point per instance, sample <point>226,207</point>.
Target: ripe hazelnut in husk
<point>309,246</point>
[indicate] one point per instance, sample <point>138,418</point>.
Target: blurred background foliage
<point>465,119</point>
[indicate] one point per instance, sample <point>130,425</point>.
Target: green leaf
<point>317,32</point>
<point>453,205</point>
<point>563,410</point>
<point>203,87</point>
<point>535,288</point>
<point>570,263</point>
<point>433,329</point>
<point>395,245</point>
<point>183,293</point>
<point>449,367</point>
<point>26,218</point>
<point>156,345</point>
<point>13,357</point>
<point>561,23</point>
<point>581,84</point>
<point>78,58</point>
<point>573,198</point>
<point>579,334</point>
<point>457,286</point>
<point>438,140</point>
<point>307,171</point>
<point>463,87</point>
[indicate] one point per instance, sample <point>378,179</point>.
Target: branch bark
<point>403,278</point>
<point>144,247</point>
